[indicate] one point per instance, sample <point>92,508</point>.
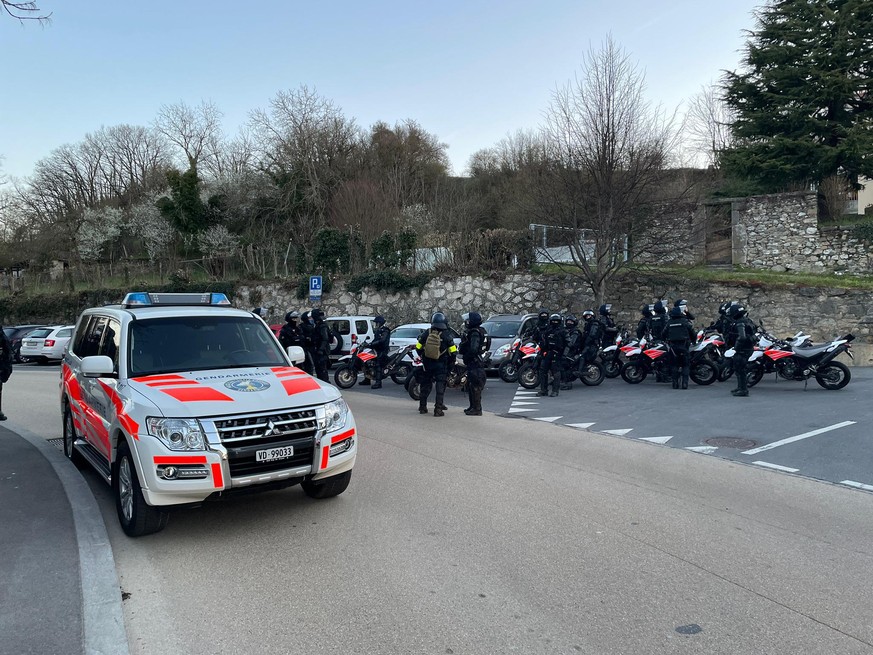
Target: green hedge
<point>65,307</point>
<point>388,280</point>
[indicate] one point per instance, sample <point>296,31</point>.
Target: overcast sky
<point>469,71</point>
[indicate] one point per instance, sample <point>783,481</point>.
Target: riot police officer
<point>306,335</point>
<point>571,349</point>
<point>610,330</point>
<point>474,343</point>
<point>381,341</point>
<point>741,339</point>
<point>438,353</point>
<point>643,325</point>
<point>535,333</point>
<point>552,346</point>
<point>658,321</point>
<point>592,335</point>
<point>682,304</point>
<point>679,333</point>
<point>320,344</point>
<point>290,334</point>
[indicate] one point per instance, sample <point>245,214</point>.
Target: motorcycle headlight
<point>333,416</point>
<point>503,350</point>
<point>177,433</point>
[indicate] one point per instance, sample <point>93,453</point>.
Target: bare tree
<point>25,11</point>
<point>192,129</point>
<point>606,150</point>
<point>708,125</point>
<point>834,192</point>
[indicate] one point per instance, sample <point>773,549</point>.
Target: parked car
<point>503,330</point>
<point>404,335</point>
<point>45,345</point>
<point>15,335</point>
<point>348,331</point>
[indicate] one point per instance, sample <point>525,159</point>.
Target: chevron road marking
<point>805,435</point>
<point>584,426</point>
<point>658,440</point>
<point>706,450</point>
<point>547,419</point>
<point>776,467</point>
<point>618,433</point>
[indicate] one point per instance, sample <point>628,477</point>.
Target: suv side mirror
<point>296,354</point>
<point>97,366</point>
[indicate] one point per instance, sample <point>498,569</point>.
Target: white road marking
<point>857,485</point>
<point>547,419</point>
<point>584,426</point>
<point>805,435</point>
<point>660,440</point>
<point>522,402</point>
<point>518,410</point>
<point>706,450</point>
<point>777,467</point>
<point>618,433</point>
<point>525,393</point>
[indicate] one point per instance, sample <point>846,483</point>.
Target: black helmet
<point>570,321</point>
<point>587,315</point>
<point>659,308</point>
<point>317,314</point>
<point>676,312</point>
<point>304,317</point>
<point>646,310</point>
<point>543,314</point>
<point>723,308</point>
<point>260,311</point>
<point>556,319</point>
<point>291,316</point>
<point>438,321</point>
<point>472,319</point>
<point>737,311</point>
<point>680,303</point>
<point>605,309</point>
<point>379,320</point>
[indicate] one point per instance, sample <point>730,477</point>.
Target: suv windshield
<point>502,329</point>
<point>198,343</point>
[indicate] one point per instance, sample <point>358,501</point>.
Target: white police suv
<point>179,398</point>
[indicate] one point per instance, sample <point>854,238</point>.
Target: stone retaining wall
<point>822,313</point>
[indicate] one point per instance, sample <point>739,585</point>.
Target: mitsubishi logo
<point>271,429</point>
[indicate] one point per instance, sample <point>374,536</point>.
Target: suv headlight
<point>500,352</point>
<point>334,416</point>
<point>177,433</point>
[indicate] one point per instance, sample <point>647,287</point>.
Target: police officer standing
<point>438,353</point>
<point>474,342</point>
<point>290,334</point>
<point>658,321</point>
<point>643,325</point>
<point>536,332</point>
<point>552,344</point>
<point>610,330</point>
<point>592,334</point>
<point>380,343</point>
<point>320,345</point>
<point>679,333</point>
<point>571,349</point>
<point>741,339</point>
<point>683,305</point>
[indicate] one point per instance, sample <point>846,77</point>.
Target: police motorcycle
<point>455,379</point>
<point>654,359</point>
<point>590,374</point>
<point>708,348</point>
<point>610,356</point>
<point>517,350</point>
<point>799,362</point>
<point>362,359</point>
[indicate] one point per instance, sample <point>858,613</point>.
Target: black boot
<point>437,411</point>
<point>377,385</point>
<point>422,409</point>
<point>475,404</point>
<point>676,383</point>
<point>684,381</point>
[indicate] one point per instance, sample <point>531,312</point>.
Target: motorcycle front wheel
<point>633,373</point>
<point>413,388</point>
<point>754,374</point>
<point>345,376</point>
<point>704,373</point>
<point>508,371</point>
<point>591,374</point>
<point>401,372</point>
<point>612,368</point>
<point>833,376</point>
<point>725,371</point>
<point>528,376</point>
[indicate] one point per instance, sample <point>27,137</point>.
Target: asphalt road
<point>506,535</point>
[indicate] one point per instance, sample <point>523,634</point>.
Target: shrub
<point>388,280</point>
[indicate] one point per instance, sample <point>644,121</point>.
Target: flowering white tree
<point>145,221</point>
<point>217,241</point>
<point>99,227</point>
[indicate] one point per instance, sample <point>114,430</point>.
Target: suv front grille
<point>242,436</point>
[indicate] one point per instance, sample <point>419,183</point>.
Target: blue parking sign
<point>315,287</point>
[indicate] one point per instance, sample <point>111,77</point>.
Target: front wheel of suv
<point>327,488</point>
<point>137,517</point>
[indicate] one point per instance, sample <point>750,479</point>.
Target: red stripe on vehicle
<point>195,394</point>
<point>325,455</point>
<point>177,460</point>
<point>299,385</point>
<point>279,370</point>
<point>130,426</point>
<point>217,478</point>
<point>342,436</point>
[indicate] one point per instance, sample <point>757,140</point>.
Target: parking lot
<point>809,432</point>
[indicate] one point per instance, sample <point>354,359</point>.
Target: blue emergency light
<point>145,299</point>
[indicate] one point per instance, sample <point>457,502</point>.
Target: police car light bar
<point>144,299</point>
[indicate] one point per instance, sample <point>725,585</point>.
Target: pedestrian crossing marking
<point>659,440</point>
<point>518,410</point>
<point>523,402</point>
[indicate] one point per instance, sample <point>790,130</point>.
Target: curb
<point>102,616</point>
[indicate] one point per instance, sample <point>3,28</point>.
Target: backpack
<point>432,345</point>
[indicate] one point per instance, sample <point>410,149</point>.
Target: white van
<point>349,330</point>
